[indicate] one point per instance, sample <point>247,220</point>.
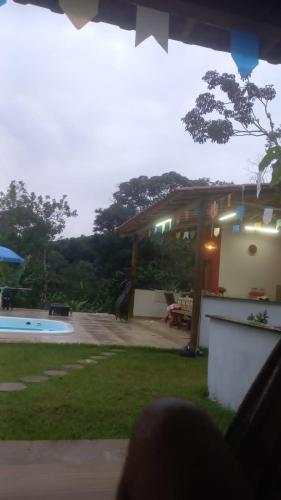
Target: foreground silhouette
<point>177,453</point>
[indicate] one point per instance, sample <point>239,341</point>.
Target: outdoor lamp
<point>210,246</point>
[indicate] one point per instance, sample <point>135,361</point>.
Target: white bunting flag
<point>151,22</point>
<point>80,12</point>
<point>267,215</point>
<point>217,231</point>
<point>259,181</point>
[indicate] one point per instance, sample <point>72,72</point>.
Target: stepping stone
<point>55,373</point>
<point>109,353</point>
<point>98,357</point>
<point>12,386</point>
<point>86,361</point>
<point>34,378</point>
<point>73,367</point>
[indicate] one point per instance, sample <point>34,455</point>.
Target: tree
<point>28,223</point>
<point>244,112</point>
<point>137,194</point>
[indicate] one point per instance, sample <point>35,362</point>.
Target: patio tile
<point>55,373</point>
<point>34,378</point>
<point>12,386</point>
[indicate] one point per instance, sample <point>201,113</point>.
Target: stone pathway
<point>34,379</point>
<point>55,373</point>
<point>12,386</point>
<point>81,363</point>
<point>73,367</point>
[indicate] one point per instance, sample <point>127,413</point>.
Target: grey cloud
<point>82,111</point>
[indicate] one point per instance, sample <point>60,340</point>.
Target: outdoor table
<point>184,310</point>
<point>59,309</point>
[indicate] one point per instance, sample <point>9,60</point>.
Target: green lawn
<point>100,401</point>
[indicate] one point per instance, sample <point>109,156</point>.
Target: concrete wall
<point>239,272</point>
<point>150,303</point>
<point>236,355</point>
<point>239,309</point>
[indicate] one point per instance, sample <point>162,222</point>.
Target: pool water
<point>33,325</point>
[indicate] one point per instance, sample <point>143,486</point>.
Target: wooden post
<point>198,272</point>
<point>133,278</point>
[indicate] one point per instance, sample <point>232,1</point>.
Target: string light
<point>228,216</point>
<point>159,224</point>
<point>268,230</point>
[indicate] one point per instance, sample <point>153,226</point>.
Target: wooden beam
<point>134,272</point>
<point>188,28</point>
<point>218,17</point>
<point>198,272</point>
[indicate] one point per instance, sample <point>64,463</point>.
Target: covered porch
<point>237,251</point>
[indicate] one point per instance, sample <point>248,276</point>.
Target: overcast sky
<point>82,111</point>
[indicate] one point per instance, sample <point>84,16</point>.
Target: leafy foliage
<point>237,115</point>
<point>86,272</point>
<point>261,317</point>
<point>137,194</point>
<point>28,224</point>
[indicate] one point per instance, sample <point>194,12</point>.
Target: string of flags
<point>176,226</point>
<point>245,52</point>
<point>80,13</point>
<point>244,47</point>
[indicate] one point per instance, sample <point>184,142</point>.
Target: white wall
<point>236,354</point>
<point>239,272</point>
<point>150,303</point>
<point>239,309</point>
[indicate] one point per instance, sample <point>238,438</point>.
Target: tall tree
<point>244,111</point>
<point>138,193</point>
<point>28,223</point>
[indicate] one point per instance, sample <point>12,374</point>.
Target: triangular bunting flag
<point>236,229</point>
<point>259,180</point>
<point>151,22</point>
<point>240,212</point>
<point>217,231</point>
<point>213,210</point>
<point>245,52</point>
<point>80,12</point>
<point>186,235</point>
<point>178,235</point>
<point>267,215</point>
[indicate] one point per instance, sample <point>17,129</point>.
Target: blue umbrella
<point>7,255</point>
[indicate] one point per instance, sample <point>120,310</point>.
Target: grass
<point>101,401</point>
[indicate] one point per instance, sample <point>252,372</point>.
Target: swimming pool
<point>33,325</point>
